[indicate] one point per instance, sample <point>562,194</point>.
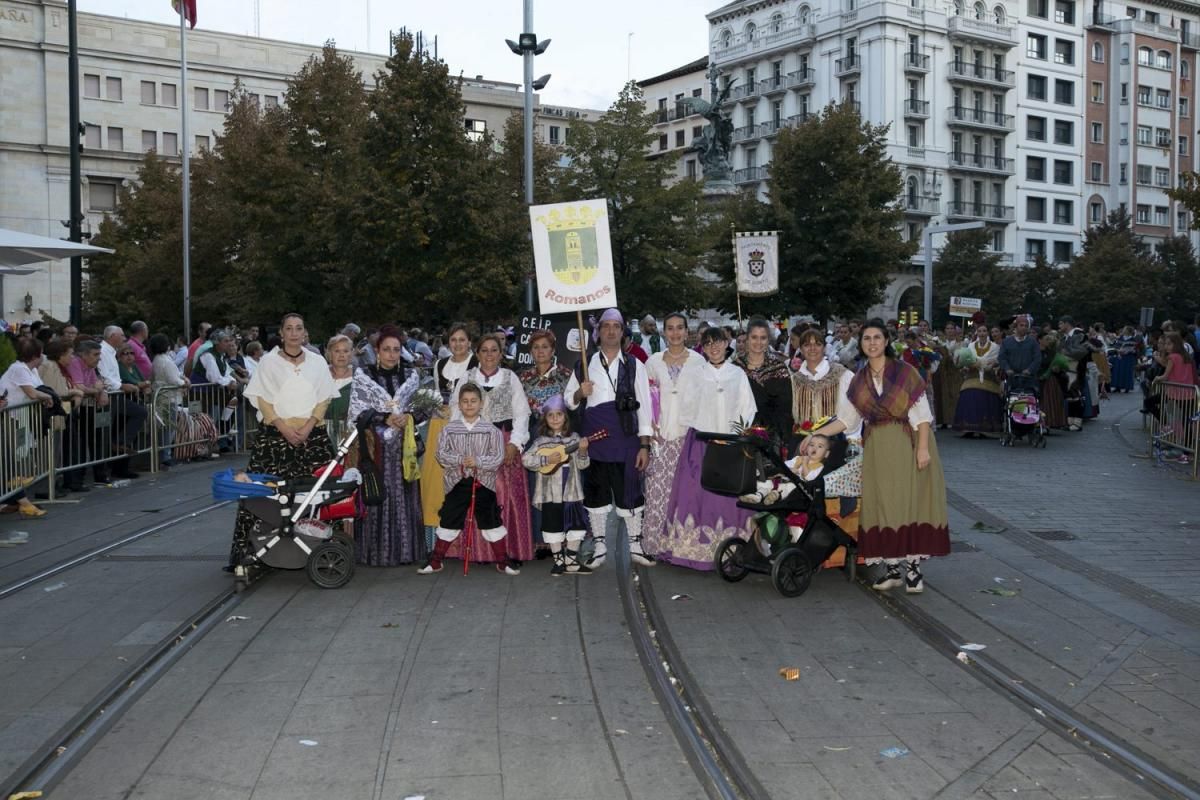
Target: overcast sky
<point>589,59</point>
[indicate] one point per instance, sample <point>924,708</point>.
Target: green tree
<point>965,268</point>
<point>833,194</point>
<point>1042,282</point>
<point>1113,276</point>
<point>658,228</point>
<point>1180,280</point>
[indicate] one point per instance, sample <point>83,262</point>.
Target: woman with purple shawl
<point>903,518</point>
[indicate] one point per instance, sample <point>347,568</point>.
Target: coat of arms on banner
<point>574,255</point>
<point>757,262</point>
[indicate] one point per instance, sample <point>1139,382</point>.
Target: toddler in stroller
<point>1023,418</point>
<point>793,534</point>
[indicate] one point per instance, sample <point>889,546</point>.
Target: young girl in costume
<point>470,451</point>
<point>559,494</point>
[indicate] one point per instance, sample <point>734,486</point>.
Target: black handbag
<point>729,468</point>
<point>372,491</point>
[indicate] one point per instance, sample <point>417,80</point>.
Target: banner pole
<point>739,309</point>
<point>582,342</point>
<point>737,276</point>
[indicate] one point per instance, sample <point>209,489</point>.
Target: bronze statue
<point>715,142</point>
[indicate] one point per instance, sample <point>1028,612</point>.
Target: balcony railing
<point>981,31</point>
<point>750,175</point>
<point>766,39</point>
<point>797,119</point>
<point>772,85</point>
<point>746,133</point>
<point>770,127</point>
<point>918,204</point>
<point>986,211</point>
<point>801,78</point>
<point>744,91</point>
<point>978,117</point>
<point>848,65</point>
<point>1130,25</point>
<point>916,108</point>
<point>853,104</point>
<point>982,163</point>
<point>916,62</point>
<point>979,73</point>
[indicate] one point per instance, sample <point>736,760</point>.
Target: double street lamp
<point>527,46</point>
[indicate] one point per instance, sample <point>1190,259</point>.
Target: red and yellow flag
<point>189,10</point>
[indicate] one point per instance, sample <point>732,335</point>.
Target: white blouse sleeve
<point>747,407</point>
<point>920,412</point>
<point>520,412</point>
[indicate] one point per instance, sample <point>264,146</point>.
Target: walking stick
<point>467,527</point>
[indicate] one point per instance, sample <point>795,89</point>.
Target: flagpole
<point>187,178</point>
<point>737,284</point>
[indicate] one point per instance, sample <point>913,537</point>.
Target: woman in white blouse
<point>903,520</point>
<point>675,375</point>
<point>505,406</point>
<point>290,390</point>
<point>697,520</point>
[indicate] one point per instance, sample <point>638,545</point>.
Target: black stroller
<point>732,466</point>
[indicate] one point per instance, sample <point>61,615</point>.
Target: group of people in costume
<point>542,460</point>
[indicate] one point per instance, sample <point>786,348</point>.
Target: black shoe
<point>560,564</point>
<point>914,582</point>
<point>573,564</point>
<point>892,579</point>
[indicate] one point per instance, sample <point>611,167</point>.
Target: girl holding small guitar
<point>558,457</point>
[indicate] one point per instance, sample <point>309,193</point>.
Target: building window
<point>663,142</point>
<point>476,129</point>
<point>1162,137</point>
<point>1097,172</point>
<point>697,92</point>
<point>1064,131</point>
<point>1124,93</point>
<point>1096,213</point>
<point>200,101</point>
<point>1181,220</point>
<point>202,143</point>
<point>1098,133</point>
<point>91,136</point>
<point>1185,68</point>
<point>1152,17</point>
<point>1145,56</point>
<point>1097,92</point>
<point>1064,92</point>
<point>1062,252</point>
<point>1035,209</point>
<point>1143,214</point>
<point>1161,215</point>
<point>91,86</point>
<point>116,139</point>
<point>170,144</point>
<point>1144,171</point>
<point>1162,59</point>
<point>1064,12</point>
<point>1064,172</point>
<point>1064,51</point>
<point>149,93</point>
<point>690,168</point>
<point>1038,8</point>
<point>1035,168</point>
<point>1064,212</point>
<point>696,129</point>
<point>1035,249</point>
<point>271,101</point>
<point>1035,87</point>
<point>1183,145</point>
<point>102,196</point>
<point>1162,177</point>
<point>1145,135</point>
<point>679,142</point>
<point>1097,52</point>
<point>112,88</point>
<point>1124,172</point>
<point>220,100</point>
<point>1185,107</point>
<point>1162,98</point>
<point>169,97</point>
<point>1145,95</point>
<point>149,141</point>
<point>1035,46</point>
<point>1035,129</point>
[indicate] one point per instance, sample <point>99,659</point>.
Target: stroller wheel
<point>792,572</point>
<point>346,540</point>
<point>331,565</point>
<point>728,560</point>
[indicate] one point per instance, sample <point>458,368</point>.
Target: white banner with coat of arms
<point>573,256</point>
<point>757,255</point>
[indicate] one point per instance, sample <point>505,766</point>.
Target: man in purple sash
<point>615,398</point>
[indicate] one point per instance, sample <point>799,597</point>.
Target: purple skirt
<point>698,520</point>
<point>979,411</point>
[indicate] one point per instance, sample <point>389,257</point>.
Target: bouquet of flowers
<point>808,426</point>
<point>966,357</point>
<point>923,357</point>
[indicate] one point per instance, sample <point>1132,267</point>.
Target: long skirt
<point>947,383</point>
<point>903,513</point>
<point>432,493</point>
<point>272,455</point>
<point>512,492</point>
<point>660,475</point>
<point>698,520</point>
<point>393,533</point>
<point>1122,372</point>
<point>979,411</point>
<point>1054,401</point>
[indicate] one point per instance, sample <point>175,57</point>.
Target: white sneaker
<point>429,568</point>
<point>508,569</point>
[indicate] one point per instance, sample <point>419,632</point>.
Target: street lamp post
<point>73,134</point>
<point>928,243</point>
<point>527,46</point>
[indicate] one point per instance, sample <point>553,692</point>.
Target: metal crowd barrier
<point>24,454</point>
<point>1176,426</point>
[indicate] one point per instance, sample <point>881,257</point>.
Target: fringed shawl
<point>902,388</point>
<point>816,399</point>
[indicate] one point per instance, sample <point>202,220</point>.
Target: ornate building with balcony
<point>676,125</point>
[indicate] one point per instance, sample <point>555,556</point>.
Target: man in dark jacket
<point>1020,356</point>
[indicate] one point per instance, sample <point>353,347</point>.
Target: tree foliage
<point>833,196</point>
<point>1041,284</point>
<point>1113,276</point>
<point>1180,296</point>
<point>965,268</point>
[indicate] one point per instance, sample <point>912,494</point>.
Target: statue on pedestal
<point>715,142</point>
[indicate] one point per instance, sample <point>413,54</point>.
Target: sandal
<point>28,509</point>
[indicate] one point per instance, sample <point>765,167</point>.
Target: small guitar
<point>564,451</point>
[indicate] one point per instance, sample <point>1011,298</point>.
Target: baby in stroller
<point>809,465</point>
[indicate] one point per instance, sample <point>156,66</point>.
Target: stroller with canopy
<point>1023,418</point>
<point>296,516</point>
<point>790,554</point>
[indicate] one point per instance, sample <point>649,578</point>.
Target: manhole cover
<point>1054,536</point>
<point>959,546</point>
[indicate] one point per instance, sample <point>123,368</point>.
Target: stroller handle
<point>709,436</point>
